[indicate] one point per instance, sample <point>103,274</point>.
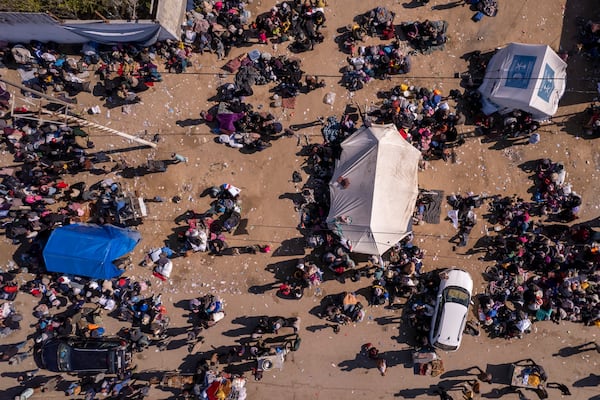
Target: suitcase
<point>232,65</point>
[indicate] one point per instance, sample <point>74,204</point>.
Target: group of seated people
<point>589,38</point>
<point>554,193</point>
<point>47,152</point>
<point>426,35</point>
<point>344,309</point>
<point>239,126</point>
<point>206,231</point>
<point>123,70</point>
<point>424,118</point>
<point>301,20</point>
<point>220,26</point>
<point>206,311</point>
<point>375,62</point>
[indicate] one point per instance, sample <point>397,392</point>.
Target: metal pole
<point>90,124</point>
<point>26,89</point>
<point>68,117</point>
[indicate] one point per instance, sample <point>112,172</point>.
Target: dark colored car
<point>77,355</point>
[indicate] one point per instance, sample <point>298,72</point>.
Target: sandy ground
<point>329,366</point>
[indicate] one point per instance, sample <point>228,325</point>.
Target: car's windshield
<point>64,357</point>
<point>454,294</point>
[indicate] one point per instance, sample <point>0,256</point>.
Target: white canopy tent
<point>528,77</point>
<point>374,189</point>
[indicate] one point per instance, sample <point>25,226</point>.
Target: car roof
<point>49,355</point>
<point>92,359</point>
<point>98,354</point>
<point>456,277</point>
<point>452,324</point>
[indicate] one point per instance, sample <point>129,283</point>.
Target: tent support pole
<point>83,122</point>
<point>66,116</point>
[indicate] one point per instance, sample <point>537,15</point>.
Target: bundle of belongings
<point>240,127</point>
<point>256,68</point>
<point>488,7</point>
<point>375,62</point>
<point>377,21</point>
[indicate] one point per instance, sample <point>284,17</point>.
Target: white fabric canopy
<point>528,77</point>
<point>374,209</point>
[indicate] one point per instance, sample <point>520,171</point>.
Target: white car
<point>451,309</point>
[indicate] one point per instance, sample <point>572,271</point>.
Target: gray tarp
<point>142,33</point>
<point>26,27</point>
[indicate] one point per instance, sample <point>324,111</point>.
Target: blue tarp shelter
<point>88,250</point>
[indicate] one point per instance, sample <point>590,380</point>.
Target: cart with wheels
<point>177,380</point>
<point>427,362</point>
<point>527,374</point>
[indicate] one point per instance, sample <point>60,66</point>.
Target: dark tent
<point>88,250</point>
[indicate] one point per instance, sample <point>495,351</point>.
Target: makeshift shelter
<point>374,189</point>
<point>88,250</point>
<point>527,77</point>
<point>17,27</point>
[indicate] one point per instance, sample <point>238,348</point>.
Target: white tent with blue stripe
<point>527,77</point>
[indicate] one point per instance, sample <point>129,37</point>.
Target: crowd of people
<point>122,71</point>
<point>589,36</point>
<point>423,116</point>
<point>536,276</point>
<point>218,26</point>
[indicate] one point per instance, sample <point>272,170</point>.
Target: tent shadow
<point>23,258</point>
<point>575,124</point>
<point>577,63</point>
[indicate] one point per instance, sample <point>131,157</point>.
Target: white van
<point>451,309</point>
